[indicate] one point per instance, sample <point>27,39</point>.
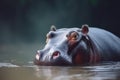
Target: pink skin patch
<point>37,56</point>
<point>56,55</point>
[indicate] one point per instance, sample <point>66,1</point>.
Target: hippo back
<point>107,44</point>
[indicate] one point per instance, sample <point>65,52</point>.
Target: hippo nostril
<point>56,54</point>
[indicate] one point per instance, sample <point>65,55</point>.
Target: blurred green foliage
<point>94,2</point>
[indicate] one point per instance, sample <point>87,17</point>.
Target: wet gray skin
<point>78,46</point>
<point>59,49</point>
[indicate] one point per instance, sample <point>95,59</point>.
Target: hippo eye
<point>73,36</point>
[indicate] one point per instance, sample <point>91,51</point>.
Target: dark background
<point>28,21</point>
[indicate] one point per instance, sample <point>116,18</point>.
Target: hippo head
<point>66,46</point>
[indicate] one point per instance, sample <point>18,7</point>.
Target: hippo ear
<point>85,29</point>
<point>53,28</point>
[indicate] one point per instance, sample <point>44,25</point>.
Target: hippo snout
<point>53,55</point>
<point>37,57</point>
<point>55,58</point>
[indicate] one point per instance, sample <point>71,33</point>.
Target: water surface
<point>16,63</point>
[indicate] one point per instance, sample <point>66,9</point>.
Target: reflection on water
<point>107,71</point>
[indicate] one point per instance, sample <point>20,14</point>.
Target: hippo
<point>78,46</point>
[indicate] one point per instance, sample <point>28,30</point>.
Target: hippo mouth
<point>61,63</point>
<point>56,60</point>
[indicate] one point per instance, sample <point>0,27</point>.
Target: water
<point>16,63</point>
<point>109,71</point>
